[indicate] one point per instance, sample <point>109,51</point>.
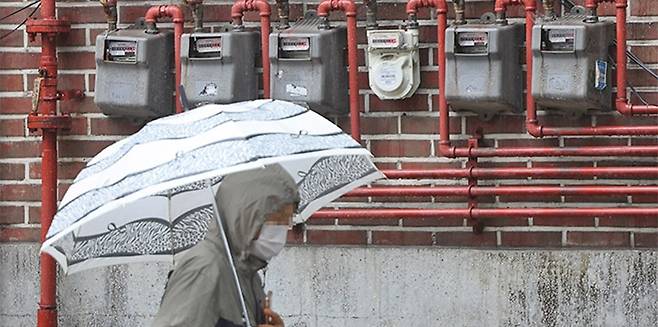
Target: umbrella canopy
<point>146,197</point>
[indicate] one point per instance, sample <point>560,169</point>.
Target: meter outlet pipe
<point>264,10</point>
<point>349,7</point>
<point>110,9</point>
<point>178,18</point>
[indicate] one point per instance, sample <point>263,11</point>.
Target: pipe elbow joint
<point>534,129</point>
<point>324,8</point>
<point>447,150</point>
<point>623,107</point>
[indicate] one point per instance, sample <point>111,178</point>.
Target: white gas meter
<point>393,63</point>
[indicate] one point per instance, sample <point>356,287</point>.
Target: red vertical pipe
<point>178,17</point>
<point>349,7</point>
<point>47,312</point>
<point>265,11</point>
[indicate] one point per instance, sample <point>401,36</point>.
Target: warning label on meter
<point>206,45</point>
<point>295,43</point>
<point>384,40</point>
<point>296,90</point>
<point>561,35</point>
<point>469,39</point>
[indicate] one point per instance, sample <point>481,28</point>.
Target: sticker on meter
<point>601,76</point>
<point>296,90</point>
<point>211,44</point>
<point>561,36</point>
<point>470,39</point>
<point>122,51</point>
<point>295,44</point>
<point>388,77</point>
<point>384,40</point>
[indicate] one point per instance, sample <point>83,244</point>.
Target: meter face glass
<point>121,51</point>
<point>561,40</point>
<point>384,40</point>
<point>206,47</point>
<point>472,42</point>
<point>295,48</point>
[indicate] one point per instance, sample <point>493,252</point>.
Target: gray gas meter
<point>393,63</point>
<point>571,69</point>
<point>219,67</point>
<point>483,68</point>
<point>308,65</point>
<point>134,74</point>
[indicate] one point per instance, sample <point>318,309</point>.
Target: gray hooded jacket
<point>201,291</point>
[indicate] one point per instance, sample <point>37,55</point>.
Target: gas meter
<point>393,63</point>
<point>571,69</point>
<point>219,67</point>
<point>483,68</point>
<point>308,66</point>
<point>134,74</point>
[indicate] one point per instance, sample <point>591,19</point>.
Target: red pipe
<point>514,190</point>
<point>178,17</point>
<point>521,173</point>
<point>622,104</point>
<point>348,6</point>
<point>264,9</point>
<point>475,213</point>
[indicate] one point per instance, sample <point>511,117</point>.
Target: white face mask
<point>270,242</point>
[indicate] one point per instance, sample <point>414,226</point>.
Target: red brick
<point>647,54</point>
<point>432,222</point>
<point>427,125</point>
<point>643,8</point>
<point>19,17</point>
<point>645,199</point>
<point>295,236</point>
<point>400,148</point>
<point>76,60</point>
<point>595,199</point>
<point>429,80</point>
<point>11,215</point>
<point>552,142</point>
<point>531,239</point>
<point>11,83</point>
<point>11,171</point>
<point>20,192</point>
<point>83,14</point>
<point>12,127</point>
<point>78,126</point>
<point>65,169</point>
<point>498,124</point>
<point>563,221</point>
<point>11,39</point>
<point>465,239</point>
<point>113,126</point>
<point>15,105</point>
<point>502,222</point>
<point>81,149</point>
<point>641,78</point>
<point>417,102</point>
<point>391,11</point>
<point>19,60</point>
<point>530,197</point>
<point>379,125</point>
<point>369,222</point>
<point>598,239</point>
<point>34,215</point>
<point>321,221</point>
<point>17,234</point>
<point>75,37</point>
<point>629,222</point>
<point>222,13</point>
<point>85,105</point>
<point>646,240</point>
<point>336,237</point>
<point>401,238</point>
<point>642,31</point>
<point>557,120</point>
<point>130,14</point>
<point>595,141</point>
<point>19,149</point>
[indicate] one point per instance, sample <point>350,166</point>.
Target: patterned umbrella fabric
<point>146,198</point>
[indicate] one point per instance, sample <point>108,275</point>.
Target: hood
<point>244,201</point>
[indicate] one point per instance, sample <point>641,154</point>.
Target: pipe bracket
<point>51,122</point>
<point>47,26</point>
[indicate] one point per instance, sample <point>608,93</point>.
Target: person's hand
<point>272,319</point>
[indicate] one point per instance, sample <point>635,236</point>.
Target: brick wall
<point>401,134</point>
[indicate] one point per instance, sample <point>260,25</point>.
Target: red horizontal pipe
<point>474,213</point>
<point>535,172</point>
<point>265,11</point>
<point>350,9</point>
<point>445,149</point>
<point>502,190</point>
<point>178,17</point>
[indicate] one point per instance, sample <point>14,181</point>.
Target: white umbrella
<point>147,196</point>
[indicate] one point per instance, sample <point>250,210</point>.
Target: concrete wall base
<point>375,286</point>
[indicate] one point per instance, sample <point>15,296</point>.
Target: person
<point>256,209</point>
